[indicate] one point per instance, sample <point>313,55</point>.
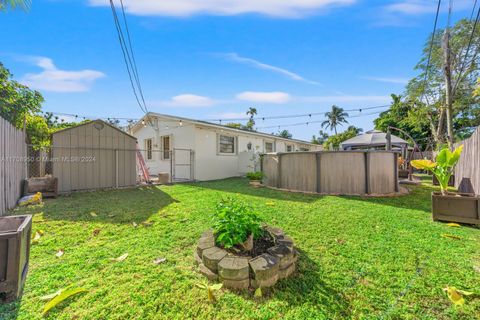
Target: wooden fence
<point>333,172</point>
<point>467,171</point>
<point>13,154</point>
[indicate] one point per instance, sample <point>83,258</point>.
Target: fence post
<point>319,160</point>
<point>116,168</point>
<point>367,172</point>
<point>279,179</point>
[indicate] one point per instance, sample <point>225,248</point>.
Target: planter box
<point>256,183</point>
<point>403,174</point>
<point>15,233</point>
<point>451,182</point>
<point>460,207</point>
<point>48,186</point>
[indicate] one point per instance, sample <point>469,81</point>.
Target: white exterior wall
<point>203,140</point>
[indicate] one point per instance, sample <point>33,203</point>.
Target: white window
<point>165,147</point>
<point>289,148</point>
<point>148,149</point>
<point>269,147</point>
<point>226,144</point>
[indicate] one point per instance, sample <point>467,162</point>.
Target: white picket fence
<point>13,154</point>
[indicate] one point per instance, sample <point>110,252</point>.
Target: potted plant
<point>402,172</point>
<point>255,178</point>
<point>449,206</point>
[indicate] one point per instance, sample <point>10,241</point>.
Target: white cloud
<point>189,100</point>
<point>263,66</point>
<point>184,8</point>
<point>345,99</point>
<point>387,79</point>
<point>419,7</point>
<point>56,80</point>
<point>276,97</point>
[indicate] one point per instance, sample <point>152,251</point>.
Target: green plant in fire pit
<point>235,222</point>
<point>443,167</point>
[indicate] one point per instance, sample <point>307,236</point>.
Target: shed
<point>93,155</point>
<point>373,139</point>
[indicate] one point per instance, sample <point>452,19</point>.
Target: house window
<point>165,147</point>
<point>304,149</point>
<point>289,148</point>
<point>268,147</point>
<point>226,144</point>
<point>148,148</point>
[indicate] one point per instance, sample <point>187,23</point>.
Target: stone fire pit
<point>237,271</point>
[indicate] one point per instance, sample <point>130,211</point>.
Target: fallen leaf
<point>271,204</point>
<point>452,224</point>
<point>63,295</point>
<point>51,296</point>
<point>135,224</point>
<point>258,293</point>
<point>96,232</point>
<point>147,223</point>
<point>121,258</point>
<point>93,214</point>
<point>60,253</point>
<point>159,260</point>
<point>38,235</point>
<point>452,236</point>
<point>456,295</point>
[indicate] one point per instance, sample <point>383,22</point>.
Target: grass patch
<point>360,258</point>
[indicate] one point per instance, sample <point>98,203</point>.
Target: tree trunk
<point>448,87</point>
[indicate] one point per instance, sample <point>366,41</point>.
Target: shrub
<point>234,221</point>
<point>257,175</point>
<point>443,166</point>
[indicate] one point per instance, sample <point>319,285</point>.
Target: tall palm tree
<point>13,4</point>
<point>335,117</point>
<point>252,112</point>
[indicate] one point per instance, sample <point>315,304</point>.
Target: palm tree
<point>252,112</point>
<point>335,117</point>
<point>13,4</point>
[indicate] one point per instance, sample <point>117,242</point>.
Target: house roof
<point>90,121</point>
<point>138,125</point>
<point>372,138</point>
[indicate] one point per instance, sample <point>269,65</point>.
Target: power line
<point>127,59</point>
<point>430,51</point>
<point>472,34</point>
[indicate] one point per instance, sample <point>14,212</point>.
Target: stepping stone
<point>203,244</point>
<point>265,270</point>
<point>207,234</point>
<point>284,254</point>
<point>212,256</point>
<point>277,233</point>
<point>286,272</point>
<point>234,268</point>
<point>207,272</point>
<point>236,284</point>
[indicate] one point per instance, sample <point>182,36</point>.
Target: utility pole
<point>447,67</point>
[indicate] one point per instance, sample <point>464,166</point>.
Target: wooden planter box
<point>451,182</point>
<point>403,174</point>
<point>15,233</point>
<point>459,207</point>
<point>48,186</point>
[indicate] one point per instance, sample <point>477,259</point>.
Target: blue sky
<point>214,59</point>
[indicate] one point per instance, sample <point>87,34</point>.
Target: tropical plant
<point>210,289</point>
<point>285,134</point>
<point>322,137</point>
<point>252,112</point>
<point>335,117</point>
<point>234,222</point>
<point>443,166</point>
<point>13,4</point>
<point>257,175</point>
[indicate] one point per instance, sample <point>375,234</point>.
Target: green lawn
<point>360,258</point>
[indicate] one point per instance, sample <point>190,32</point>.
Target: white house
<point>190,149</point>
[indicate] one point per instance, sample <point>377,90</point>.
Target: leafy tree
<point>322,136</point>
<point>476,92</point>
<point>333,142</point>
<point>453,115</point>
<point>335,117</point>
<point>234,125</point>
<point>285,134</point>
<point>400,116</point>
<point>13,4</point>
<point>252,112</point>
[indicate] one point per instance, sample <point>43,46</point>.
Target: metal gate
<point>182,165</point>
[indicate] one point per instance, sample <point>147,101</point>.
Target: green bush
<point>257,175</point>
<point>234,221</point>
